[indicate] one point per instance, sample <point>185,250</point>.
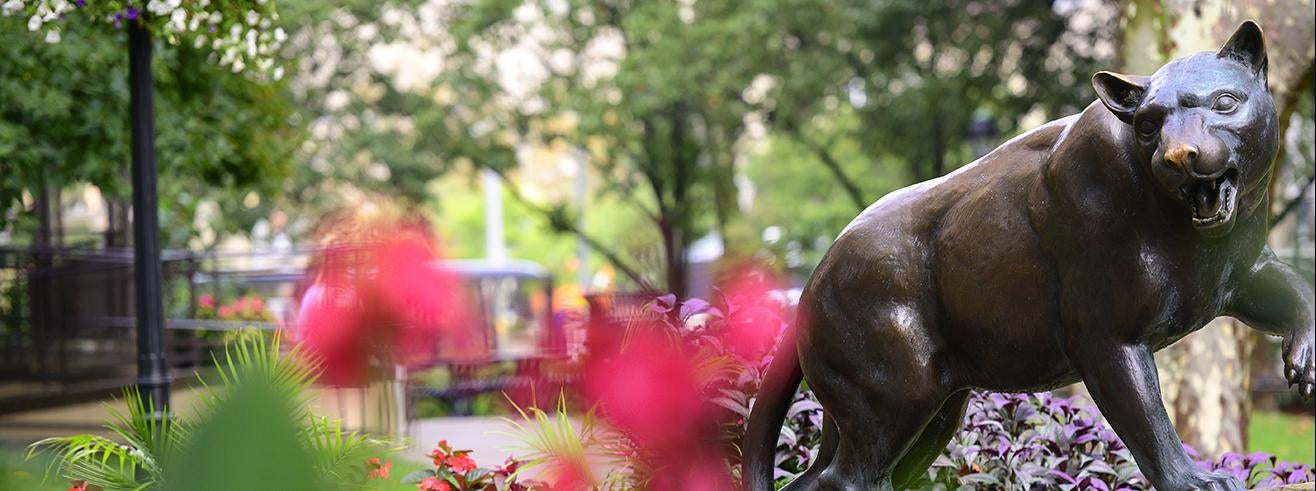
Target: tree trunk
<point>117,229</point>
<point>1205,376</point>
<point>1205,383</point>
<point>44,238</point>
<point>674,249</point>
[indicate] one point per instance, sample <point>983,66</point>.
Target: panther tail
<point>759,450</point>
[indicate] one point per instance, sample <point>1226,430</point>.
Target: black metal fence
<point>67,325</point>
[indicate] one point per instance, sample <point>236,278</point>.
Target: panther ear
<point>1120,93</point>
<point>1247,46</point>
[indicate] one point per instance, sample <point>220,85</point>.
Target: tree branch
<point>851,189</point>
<point>568,225</point>
<point>1293,203</point>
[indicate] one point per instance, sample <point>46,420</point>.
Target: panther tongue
<point>1208,202</point>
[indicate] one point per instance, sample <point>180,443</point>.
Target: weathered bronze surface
<point>1072,252</point>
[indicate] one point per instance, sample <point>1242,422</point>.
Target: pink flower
<point>753,317</point>
<point>693,474</point>
<point>650,392</point>
<point>420,298</point>
<point>206,300</point>
<point>330,322</point>
<point>569,475</point>
<point>387,299</point>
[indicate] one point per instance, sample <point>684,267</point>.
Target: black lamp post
<point>152,371</point>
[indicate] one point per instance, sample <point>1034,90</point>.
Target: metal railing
<point>67,329</point>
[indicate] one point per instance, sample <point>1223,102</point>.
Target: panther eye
<point>1147,127</point>
<point>1225,103</point>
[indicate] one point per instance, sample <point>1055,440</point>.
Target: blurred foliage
<point>64,119</point>
<point>907,81</point>
<point>458,208</point>
<point>925,68</point>
<point>238,31</point>
<point>797,209</point>
<point>662,97</point>
<point>664,100</point>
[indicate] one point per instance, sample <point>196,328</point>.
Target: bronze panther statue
<point>1072,252</point>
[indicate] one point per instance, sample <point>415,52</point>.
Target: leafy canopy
<point>64,120</point>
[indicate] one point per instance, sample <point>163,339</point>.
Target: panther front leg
<point>1122,380</point>
<point>1275,299</point>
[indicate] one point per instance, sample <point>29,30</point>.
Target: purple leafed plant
<point>1034,441</point>
<point>1039,441</point>
<point>1259,469</point>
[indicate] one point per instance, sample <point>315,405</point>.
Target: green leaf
<point>249,441</point>
<point>417,476</point>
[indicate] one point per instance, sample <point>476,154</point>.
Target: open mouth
<point>1213,200</point>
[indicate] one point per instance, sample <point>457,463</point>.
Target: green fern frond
<point>339,454</point>
<point>95,459</point>
<point>253,354</point>
<point>548,439</point>
<point>149,436</point>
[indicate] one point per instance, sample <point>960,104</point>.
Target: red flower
<point>79,486</point>
<point>433,484</point>
<point>377,469</point>
<point>206,300</point>
<point>461,462</point>
<point>440,453</point>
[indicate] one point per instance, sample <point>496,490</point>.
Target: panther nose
<point>1181,156</point>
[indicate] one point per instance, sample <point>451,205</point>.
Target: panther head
<point>1204,127</point>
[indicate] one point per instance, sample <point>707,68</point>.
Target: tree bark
<point>674,249</point>
<point>1205,377</point>
<point>1205,384</point>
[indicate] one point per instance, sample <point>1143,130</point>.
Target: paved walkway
<point>480,434</point>
<point>20,429</point>
<point>483,435</point>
